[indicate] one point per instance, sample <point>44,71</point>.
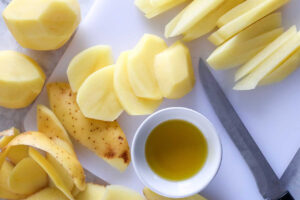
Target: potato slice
<point>105,139</point>
<point>17,153</point>
<point>114,192</point>
<point>153,196</point>
<point>92,192</point>
<point>235,26</point>
<point>265,53</point>
<point>192,14</point>
<point>132,104</point>
<point>209,22</point>
<point>7,136</point>
<point>269,64</point>
<point>48,194</point>
<point>87,62</point>
<point>5,172</point>
<point>53,174</point>
<point>236,52</point>
<point>283,71</point>
<point>5,194</point>
<point>21,79</point>
<point>96,97</point>
<point>174,71</point>
<point>27,177</point>
<point>140,67</point>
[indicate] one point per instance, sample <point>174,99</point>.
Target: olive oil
<point>176,150</point>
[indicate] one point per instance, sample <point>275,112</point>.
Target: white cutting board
<point>272,114</point>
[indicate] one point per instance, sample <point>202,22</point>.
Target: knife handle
<point>286,196</point>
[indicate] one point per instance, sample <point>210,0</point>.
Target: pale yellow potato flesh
<point>132,104</point>
<point>7,136</point>
<point>42,24</point>
<point>53,174</point>
<point>91,192</point>
<point>283,71</point>
<point>153,196</point>
<point>193,13</point>
<point>17,153</point>
<point>243,21</point>
<point>140,67</point>
<point>21,79</point>
<point>269,64</point>
<point>48,194</point>
<point>27,177</point>
<point>237,51</point>
<point>87,62</point>
<point>114,192</point>
<point>265,53</point>
<point>97,98</point>
<point>174,71</point>
<point>105,139</point>
<point>209,22</point>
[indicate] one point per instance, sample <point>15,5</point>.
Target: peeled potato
<point>153,196</point>
<point>17,153</point>
<point>105,139</point>
<point>87,62</point>
<point>114,192</point>
<point>92,192</point>
<point>140,67</point>
<point>96,97</point>
<point>174,71</point>
<point>48,194</point>
<point>42,24</point>
<point>21,79</point>
<point>132,104</point>
<point>7,136</point>
<point>27,177</point>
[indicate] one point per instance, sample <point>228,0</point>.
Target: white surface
<point>271,113</point>
<point>183,188</point>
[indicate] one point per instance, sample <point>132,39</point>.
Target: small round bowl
<point>176,189</point>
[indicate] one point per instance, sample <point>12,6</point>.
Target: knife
<point>268,183</point>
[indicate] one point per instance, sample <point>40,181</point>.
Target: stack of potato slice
<point>136,83</point>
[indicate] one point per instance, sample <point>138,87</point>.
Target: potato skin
<point>105,139</point>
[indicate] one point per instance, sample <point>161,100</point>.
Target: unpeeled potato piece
<point>7,136</point>
<point>92,192</point>
<point>48,194</point>
<point>116,192</point>
<point>17,153</point>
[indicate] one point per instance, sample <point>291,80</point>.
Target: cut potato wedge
<point>5,172</point>
<point>27,177</point>
<point>96,97</point>
<point>114,192</point>
<point>283,71</point>
<point>140,67</point>
<point>132,104</point>
<point>87,62</point>
<point>269,64</point>
<point>7,136</point>
<point>174,71</point>
<point>105,139</point>
<point>48,194</point>
<point>193,13</point>
<point>236,52</point>
<point>5,194</point>
<point>153,196</point>
<point>92,192</point>
<point>265,53</point>
<point>17,153</point>
<point>53,174</point>
<point>209,22</point>
<point>235,26</point>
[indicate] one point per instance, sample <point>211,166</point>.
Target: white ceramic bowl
<point>176,189</point>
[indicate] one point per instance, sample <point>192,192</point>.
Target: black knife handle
<point>286,196</point>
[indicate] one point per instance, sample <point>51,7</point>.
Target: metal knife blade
<point>266,179</point>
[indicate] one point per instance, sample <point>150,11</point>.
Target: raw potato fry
<point>87,62</point>
<point>132,104</point>
<point>265,53</point>
<point>116,192</point>
<point>27,177</point>
<point>105,139</point>
<point>97,98</point>
<point>271,63</point>
<point>67,160</point>
<point>48,194</point>
<point>17,153</point>
<point>92,192</point>
<point>53,174</point>
<point>7,136</point>
<point>209,22</point>
<point>153,196</point>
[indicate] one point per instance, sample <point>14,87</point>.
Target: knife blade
<point>268,183</point>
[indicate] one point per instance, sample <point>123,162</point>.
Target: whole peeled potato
<point>42,24</point>
<point>21,79</point>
